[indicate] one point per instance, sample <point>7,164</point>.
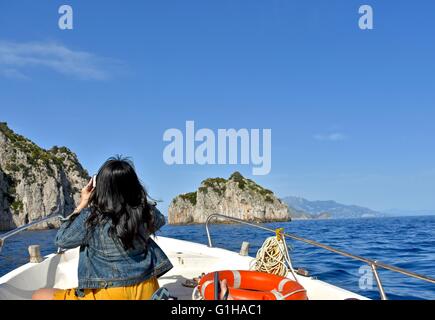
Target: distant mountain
<point>403,213</point>
<point>298,214</point>
<point>334,209</point>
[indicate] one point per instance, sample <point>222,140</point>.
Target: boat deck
<point>194,260</point>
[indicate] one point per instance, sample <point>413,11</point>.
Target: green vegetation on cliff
<point>219,186</point>
<point>191,197</point>
<point>250,185</point>
<point>37,156</point>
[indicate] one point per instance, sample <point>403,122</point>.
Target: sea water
<point>405,242</point>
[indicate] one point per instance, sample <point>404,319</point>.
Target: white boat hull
<point>189,259</point>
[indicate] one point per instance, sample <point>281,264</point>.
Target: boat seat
<point>8,292</point>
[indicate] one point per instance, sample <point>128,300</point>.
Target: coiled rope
<point>273,257</point>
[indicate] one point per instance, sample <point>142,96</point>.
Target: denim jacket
<point>103,262</point>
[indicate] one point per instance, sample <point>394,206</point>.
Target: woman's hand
<point>85,195</point>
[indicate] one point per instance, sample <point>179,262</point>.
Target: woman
<point>112,225</point>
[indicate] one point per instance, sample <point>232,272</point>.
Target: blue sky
<point>351,111</point>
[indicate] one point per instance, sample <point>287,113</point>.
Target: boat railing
<point>13,232</point>
<point>374,264</point>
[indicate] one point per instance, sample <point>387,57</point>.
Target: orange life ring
<point>253,285</point>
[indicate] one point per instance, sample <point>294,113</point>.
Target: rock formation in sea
<point>237,197</point>
<point>35,182</point>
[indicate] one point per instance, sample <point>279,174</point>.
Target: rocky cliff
<point>35,182</point>
<point>236,197</point>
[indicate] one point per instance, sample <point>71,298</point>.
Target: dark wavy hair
<point>120,198</point>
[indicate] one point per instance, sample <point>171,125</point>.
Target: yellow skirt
<point>140,291</point>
